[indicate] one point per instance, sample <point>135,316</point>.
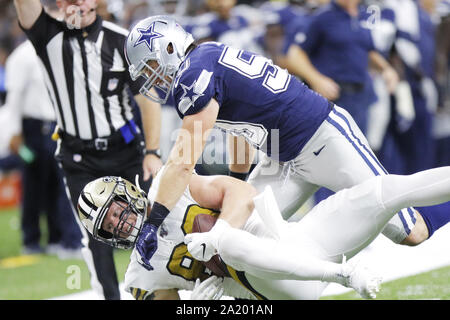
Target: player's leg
<point>271,259</point>
<point>425,188</point>
<point>347,160</point>
<point>348,221</point>
<point>286,289</point>
<point>290,189</point>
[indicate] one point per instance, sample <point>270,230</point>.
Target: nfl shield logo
<point>112,84</point>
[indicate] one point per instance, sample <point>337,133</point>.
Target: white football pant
<point>337,156</point>
<point>313,248</point>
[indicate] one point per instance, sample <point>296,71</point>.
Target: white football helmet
<point>161,39</point>
<point>96,199</point>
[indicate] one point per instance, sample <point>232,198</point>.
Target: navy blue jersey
<point>257,99</point>
<point>339,44</point>
<point>210,26</point>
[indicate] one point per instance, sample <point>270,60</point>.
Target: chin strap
<point>136,182</point>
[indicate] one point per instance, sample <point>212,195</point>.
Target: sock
<point>436,216</point>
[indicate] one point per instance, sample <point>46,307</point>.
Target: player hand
<point>147,244</point>
<point>200,245</point>
<point>209,289</point>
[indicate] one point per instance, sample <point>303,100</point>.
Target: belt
<point>98,144</point>
<point>351,87</point>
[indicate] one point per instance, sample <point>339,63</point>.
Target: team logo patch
<point>194,91</point>
<point>147,36</point>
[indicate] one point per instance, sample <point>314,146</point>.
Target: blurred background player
<point>32,120</point>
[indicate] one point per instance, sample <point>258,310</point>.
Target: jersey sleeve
<point>295,34</point>
<point>194,90</point>
<point>43,30</point>
<point>312,36</point>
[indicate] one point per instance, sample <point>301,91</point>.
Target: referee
<point>92,93</point>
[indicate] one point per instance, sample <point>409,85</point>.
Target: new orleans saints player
<point>267,259</point>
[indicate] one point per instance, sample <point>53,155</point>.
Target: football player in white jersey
<point>262,252</point>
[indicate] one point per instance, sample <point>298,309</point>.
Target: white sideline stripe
<point>391,261</point>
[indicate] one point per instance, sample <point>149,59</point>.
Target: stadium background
<point>423,271</point>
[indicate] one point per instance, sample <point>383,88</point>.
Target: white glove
<point>210,289</point>
<point>200,245</point>
<point>203,246</point>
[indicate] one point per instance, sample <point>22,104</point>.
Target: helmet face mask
<point>109,196</point>
<point>158,77</point>
<point>155,49</point>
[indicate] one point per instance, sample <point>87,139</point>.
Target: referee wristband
<point>239,175</point>
<point>158,214</point>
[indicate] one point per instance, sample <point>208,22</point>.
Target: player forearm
<point>28,11</point>
<point>177,173</point>
<point>185,153</point>
<point>173,182</point>
<point>378,62</point>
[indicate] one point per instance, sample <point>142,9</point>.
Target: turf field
<point>43,276</point>
<point>40,276</point>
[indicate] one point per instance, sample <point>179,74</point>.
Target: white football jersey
<point>174,267</point>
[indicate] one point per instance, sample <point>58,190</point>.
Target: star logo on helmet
<point>147,35</point>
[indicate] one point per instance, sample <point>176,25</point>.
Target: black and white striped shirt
<point>86,75</point>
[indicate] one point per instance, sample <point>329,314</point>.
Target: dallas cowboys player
<point>309,142</point>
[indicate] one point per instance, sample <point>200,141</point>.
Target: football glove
<point>209,289</point>
<point>147,244</point>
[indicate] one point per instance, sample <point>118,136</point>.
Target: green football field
<point>44,276</point>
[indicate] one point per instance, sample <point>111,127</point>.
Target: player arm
<point>241,157</point>
<point>28,11</point>
<point>233,197</point>
<point>151,122</point>
<point>299,64</point>
<point>185,154</point>
<point>379,63</point>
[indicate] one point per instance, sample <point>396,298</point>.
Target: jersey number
<point>254,66</point>
<point>181,262</point>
